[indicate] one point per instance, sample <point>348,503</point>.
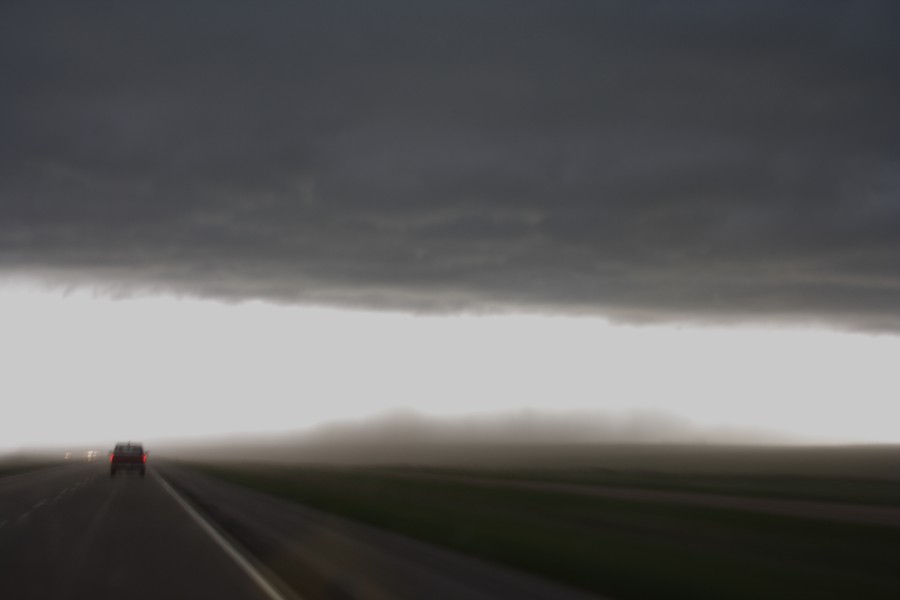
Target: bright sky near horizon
<point>80,368</point>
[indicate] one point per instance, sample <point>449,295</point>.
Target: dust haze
<point>410,437</point>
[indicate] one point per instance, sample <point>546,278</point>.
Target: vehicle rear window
<point>129,450</point>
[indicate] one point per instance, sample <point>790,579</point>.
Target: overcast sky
<point>646,159</point>
<point>705,163</point>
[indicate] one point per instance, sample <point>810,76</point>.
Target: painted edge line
<point>229,549</point>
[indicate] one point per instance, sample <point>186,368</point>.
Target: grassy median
<point>625,549</point>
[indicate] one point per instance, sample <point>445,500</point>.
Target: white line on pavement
<point>230,550</point>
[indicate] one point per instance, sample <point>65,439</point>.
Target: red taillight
<point>145,457</point>
<point>111,457</point>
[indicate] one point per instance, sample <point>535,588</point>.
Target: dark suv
<point>128,456</point>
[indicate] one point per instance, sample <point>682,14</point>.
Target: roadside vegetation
<point>839,490</point>
<point>620,548</point>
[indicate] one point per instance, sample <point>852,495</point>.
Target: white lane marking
<point>39,504</point>
<point>230,550</point>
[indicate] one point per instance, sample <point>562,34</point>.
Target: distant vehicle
<point>128,456</point>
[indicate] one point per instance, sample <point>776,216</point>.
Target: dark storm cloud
<point>646,160</point>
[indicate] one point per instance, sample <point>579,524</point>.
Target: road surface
<point>73,532</point>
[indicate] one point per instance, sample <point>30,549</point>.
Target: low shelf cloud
<point>704,162</point>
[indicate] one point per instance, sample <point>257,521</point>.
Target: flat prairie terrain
<point>630,521</point>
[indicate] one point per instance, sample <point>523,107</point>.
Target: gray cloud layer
<point>646,160</point>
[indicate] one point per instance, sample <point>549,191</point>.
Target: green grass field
<point>875,492</point>
<point>625,549</point>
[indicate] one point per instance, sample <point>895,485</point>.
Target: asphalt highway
<point>72,532</point>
